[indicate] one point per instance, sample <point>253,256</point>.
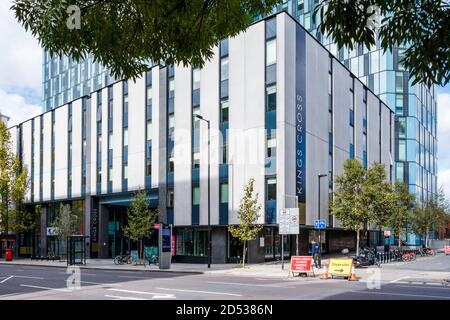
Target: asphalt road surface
<point>28,282</point>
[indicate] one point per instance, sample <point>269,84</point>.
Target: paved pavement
<point>401,281</point>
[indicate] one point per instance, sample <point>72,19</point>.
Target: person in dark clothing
<point>315,251</point>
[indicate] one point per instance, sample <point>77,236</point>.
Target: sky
<point>21,85</point>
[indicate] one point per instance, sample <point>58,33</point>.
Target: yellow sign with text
<point>340,267</point>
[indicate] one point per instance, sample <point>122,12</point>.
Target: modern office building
<point>415,106</point>
<point>282,110</point>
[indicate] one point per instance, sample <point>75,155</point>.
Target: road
<point>409,281</point>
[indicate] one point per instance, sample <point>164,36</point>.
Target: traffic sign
<point>340,267</point>
<point>301,264</point>
<point>288,221</point>
<point>320,224</point>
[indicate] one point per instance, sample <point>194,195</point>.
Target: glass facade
<point>415,105</point>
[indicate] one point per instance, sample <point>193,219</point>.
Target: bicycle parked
<point>427,252</point>
<point>122,259</point>
<point>409,256</point>
<point>152,259</point>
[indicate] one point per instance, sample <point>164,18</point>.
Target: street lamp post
<point>318,202</point>
<point>209,198</point>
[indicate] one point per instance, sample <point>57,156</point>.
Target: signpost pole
<point>296,236</point>
<point>282,252</point>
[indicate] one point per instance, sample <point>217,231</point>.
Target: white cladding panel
<point>286,144</point>
<point>209,108</point>
<point>373,129</point>
<point>47,157</point>
<point>104,183</point>
<point>358,120</point>
<point>317,129</point>
<point>136,133</point>
<point>77,114</point>
<point>182,147</point>
<point>93,143</point>
<point>37,158</point>
<point>386,158</point>
<point>61,141</point>
<point>117,136</point>
<point>246,115</point>
<point>155,125</point>
<point>26,153</point>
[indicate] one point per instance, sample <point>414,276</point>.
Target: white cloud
<point>20,55</point>
<point>16,107</point>
<point>444,142</point>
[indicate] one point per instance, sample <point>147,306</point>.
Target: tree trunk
<point>243,255</point>
<point>426,239</point>
<point>399,241</point>
<point>357,242</point>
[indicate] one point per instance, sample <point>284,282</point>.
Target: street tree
<point>66,224</point>
<point>140,219</point>
<point>14,184</point>
<point>361,197</point>
<point>248,215</point>
<point>431,216</point>
<point>422,27</point>
<point>124,34</point>
<point>403,204</point>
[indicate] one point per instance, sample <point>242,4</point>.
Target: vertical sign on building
<point>300,121</point>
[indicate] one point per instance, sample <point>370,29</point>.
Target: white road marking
<point>404,294</point>
<point>156,295</point>
<point>397,280</point>
<point>423,287</point>
<point>26,277</point>
<point>45,288</point>
<point>99,283</point>
<point>123,298</point>
<point>199,291</point>
<point>3,281</point>
<point>251,284</point>
<point>134,277</point>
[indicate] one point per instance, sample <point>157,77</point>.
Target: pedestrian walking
<point>315,251</point>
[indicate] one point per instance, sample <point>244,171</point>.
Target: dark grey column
<point>255,251</point>
<point>103,232</point>
<point>87,223</point>
<point>43,231</point>
<point>162,174</point>
<point>219,245</point>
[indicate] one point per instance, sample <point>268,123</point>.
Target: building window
<point>271,98</point>
<point>196,160</point>
<point>271,52</point>
<point>148,167</point>
<point>170,198</point>
<point>195,196</point>
<point>351,118</point>
<point>195,79</point>
<point>271,146</point>
<point>271,189</point>
<point>149,130</point>
<point>224,104</point>
<point>224,69</point>
<point>125,172</point>
<point>223,192</point>
<point>352,151</point>
<point>125,137</point>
